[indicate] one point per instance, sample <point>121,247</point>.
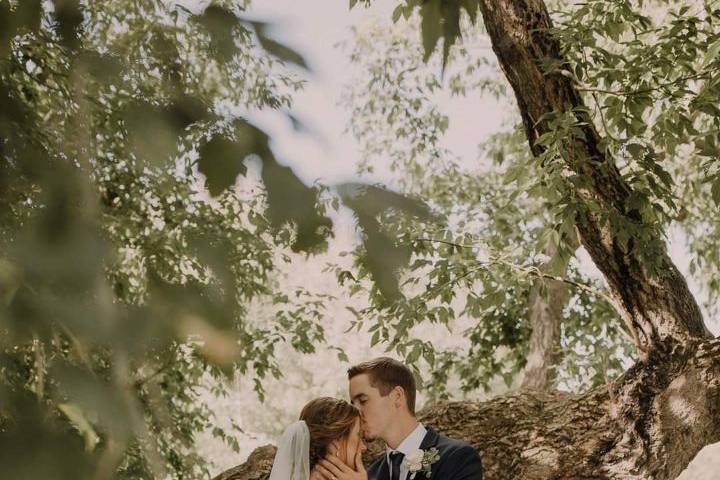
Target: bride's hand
<point>315,475</point>
<point>332,468</point>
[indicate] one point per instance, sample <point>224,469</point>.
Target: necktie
<point>396,459</point>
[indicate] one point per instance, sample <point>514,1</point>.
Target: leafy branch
<point>531,270</point>
<point>706,74</point>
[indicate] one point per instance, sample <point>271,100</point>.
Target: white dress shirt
<point>411,443</point>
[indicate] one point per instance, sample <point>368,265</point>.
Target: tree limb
<point>658,305</point>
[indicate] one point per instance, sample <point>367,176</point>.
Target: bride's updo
<point>327,419</point>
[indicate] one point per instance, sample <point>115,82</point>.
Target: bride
<point>328,429</point>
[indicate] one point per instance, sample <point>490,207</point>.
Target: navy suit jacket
<point>458,460</point>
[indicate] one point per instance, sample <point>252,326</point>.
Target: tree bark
<point>652,421</point>
<point>556,435</point>
<point>546,303</point>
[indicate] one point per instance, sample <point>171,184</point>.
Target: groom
<point>383,389</point>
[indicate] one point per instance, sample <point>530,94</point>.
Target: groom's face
<point>376,410</point>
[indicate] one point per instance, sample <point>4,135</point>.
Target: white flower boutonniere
<point>421,461</point>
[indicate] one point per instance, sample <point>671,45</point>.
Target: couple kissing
<point>328,441</point>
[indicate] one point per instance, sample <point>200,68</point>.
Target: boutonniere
<point>421,462</point>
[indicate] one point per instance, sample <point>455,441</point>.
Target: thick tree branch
<point>659,307</point>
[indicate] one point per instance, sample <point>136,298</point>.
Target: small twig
<point>77,346</point>
<point>436,240</point>
<point>536,272</point>
<point>456,279</point>
<point>600,110</point>
<point>39,351</point>
<point>628,93</point>
<point>602,119</point>
<point>159,371</point>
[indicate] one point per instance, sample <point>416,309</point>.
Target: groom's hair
<point>386,373</point>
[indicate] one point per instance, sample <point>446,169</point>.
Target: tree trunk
<point>546,303</point>
<point>653,420</point>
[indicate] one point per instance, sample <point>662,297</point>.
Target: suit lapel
<point>430,440</point>
<point>381,469</point>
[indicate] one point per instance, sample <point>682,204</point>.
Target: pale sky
<point>314,27</point>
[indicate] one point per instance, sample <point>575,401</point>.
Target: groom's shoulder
<point>444,440</point>
<point>458,459</point>
<point>456,454</point>
<point>448,445</point>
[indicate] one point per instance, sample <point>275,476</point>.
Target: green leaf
<point>397,13</point>
<point>279,50</point>
<point>375,338</point>
<point>221,161</point>
<point>712,52</point>
<point>383,257</point>
<point>451,28</point>
<point>10,281</point>
<point>154,131</point>
<point>715,191</point>
<point>414,354</point>
<point>371,200</point>
<point>290,200</point>
<point>28,14</point>
<point>442,19</point>
<point>471,7</point>
<point>221,24</point>
<point>102,67</point>
<point>7,29</point>
<point>69,17</point>
<point>38,443</point>
<point>431,26</point>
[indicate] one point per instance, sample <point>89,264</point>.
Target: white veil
<point>292,460</point>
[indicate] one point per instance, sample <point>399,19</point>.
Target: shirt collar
<point>411,443</point>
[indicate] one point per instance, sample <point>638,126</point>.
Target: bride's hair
<point>327,419</point>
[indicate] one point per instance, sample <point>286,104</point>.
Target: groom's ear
<point>398,396</point>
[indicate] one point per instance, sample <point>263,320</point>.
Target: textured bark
<point>256,467</point>
<point>648,424</point>
<point>546,303</point>
<point>653,420</point>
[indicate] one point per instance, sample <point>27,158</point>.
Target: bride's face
<point>349,446</point>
